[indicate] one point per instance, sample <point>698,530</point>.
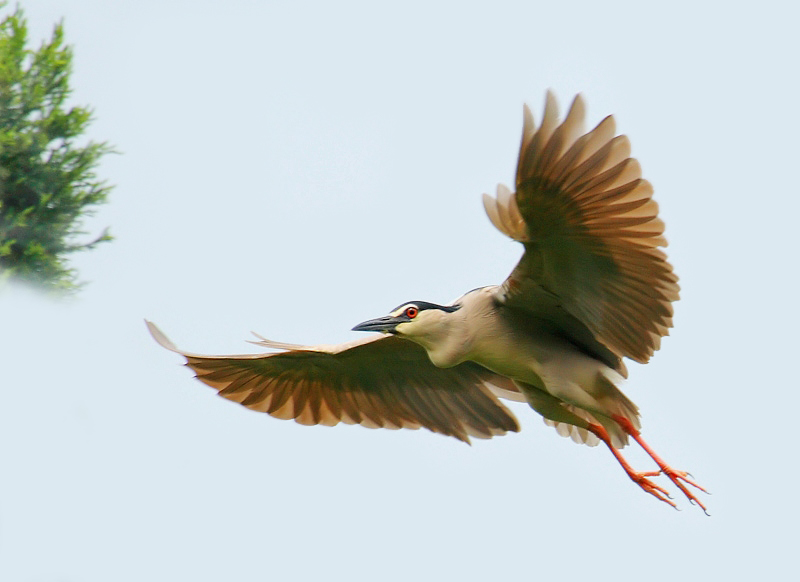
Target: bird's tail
<point>613,400</point>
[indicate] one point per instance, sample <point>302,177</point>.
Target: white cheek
<point>402,328</point>
<point>411,330</point>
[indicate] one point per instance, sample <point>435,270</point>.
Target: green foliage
<point>47,179</point>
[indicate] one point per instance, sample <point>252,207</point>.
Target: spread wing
<point>592,264</point>
<point>377,382</point>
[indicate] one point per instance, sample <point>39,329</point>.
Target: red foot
<point>653,489</point>
<point>677,477</point>
<point>638,477</point>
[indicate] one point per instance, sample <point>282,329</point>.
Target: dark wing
<point>592,266</point>
<point>377,382</point>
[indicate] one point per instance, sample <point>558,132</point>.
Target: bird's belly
<point>521,361</point>
<point>549,363</point>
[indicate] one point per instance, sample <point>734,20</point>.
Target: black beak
<point>384,324</point>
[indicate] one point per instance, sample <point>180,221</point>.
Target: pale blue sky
<point>296,170</point>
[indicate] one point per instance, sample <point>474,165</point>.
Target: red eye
<point>411,312</point>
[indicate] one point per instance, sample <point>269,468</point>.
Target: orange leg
<point>638,477</point>
<point>677,477</point>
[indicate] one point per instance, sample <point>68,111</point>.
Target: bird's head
<point>420,321</point>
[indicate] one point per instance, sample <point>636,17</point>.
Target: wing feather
<point>377,382</point>
<point>592,264</point>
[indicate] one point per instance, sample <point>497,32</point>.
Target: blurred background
<point>294,169</point>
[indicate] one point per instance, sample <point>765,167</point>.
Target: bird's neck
<point>451,340</point>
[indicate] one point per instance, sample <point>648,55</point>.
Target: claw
<point>640,478</point>
<point>680,477</point>
<point>683,475</point>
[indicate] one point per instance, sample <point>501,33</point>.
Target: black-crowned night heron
<point>592,288</point>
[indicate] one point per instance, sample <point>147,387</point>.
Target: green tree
<point>47,176</point>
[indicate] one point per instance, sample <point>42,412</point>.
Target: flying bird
<point>592,288</point>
